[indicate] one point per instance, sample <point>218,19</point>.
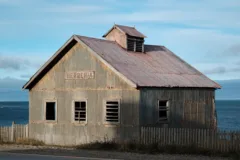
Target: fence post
<point>26,131</point>
<point>12,132</point>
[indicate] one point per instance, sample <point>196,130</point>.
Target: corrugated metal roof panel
<point>131,31</point>
<point>157,67</point>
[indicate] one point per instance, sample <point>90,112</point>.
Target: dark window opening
<point>163,111</point>
<point>162,103</point>
<point>50,111</point>
<point>80,111</point>
<point>135,44</point>
<point>112,111</point>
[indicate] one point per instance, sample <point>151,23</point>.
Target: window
<point>51,111</point>
<point>112,112</point>
<point>80,114</point>
<point>163,111</point>
<point>135,44</point>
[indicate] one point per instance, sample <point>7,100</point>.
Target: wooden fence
<point>12,133</point>
<point>223,141</point>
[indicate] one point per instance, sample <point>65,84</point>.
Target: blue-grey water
<point>228,113</point>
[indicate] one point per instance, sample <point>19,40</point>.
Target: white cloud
<point>194,13</point>
<point>72,9</point>
<point>19,63</point>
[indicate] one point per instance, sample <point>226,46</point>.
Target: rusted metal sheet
<point>131,31</point>
<point>157,67</point>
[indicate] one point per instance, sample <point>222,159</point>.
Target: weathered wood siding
<point>211,140</point>
<point>105,85</point>
<point>188,107</point>
<point>118,36</point>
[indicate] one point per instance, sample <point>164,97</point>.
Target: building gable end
<point>59,54</point>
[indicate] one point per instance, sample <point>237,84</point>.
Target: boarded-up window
<point>112,111</point>
<point>135,44</point>
<point>50,111</point>
<point>163,111</point>
<point>80,111</point>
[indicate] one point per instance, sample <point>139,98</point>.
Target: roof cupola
<point>127,37</point>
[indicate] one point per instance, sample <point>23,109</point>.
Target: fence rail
<point>223,141</point>
<point>12,133</point>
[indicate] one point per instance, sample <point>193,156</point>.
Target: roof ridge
<point>80,36</point>
<point>124,26</point>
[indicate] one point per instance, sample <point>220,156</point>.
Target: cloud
<point>234,50</point>
<point>11,83</point>
<point>197,13</point>
<point>11,89</point>
<point>25,76</point>
<point>18,63</point>
<point>217,70</point>
<point>221,70</point>
<point>72,9</point>
<point>14,63</point>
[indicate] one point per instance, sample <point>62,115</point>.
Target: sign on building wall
<point>80,75</point>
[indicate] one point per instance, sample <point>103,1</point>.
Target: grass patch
<point>24,141</point>
<point>155,149</point>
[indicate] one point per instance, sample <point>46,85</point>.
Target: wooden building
<point>103,89</point>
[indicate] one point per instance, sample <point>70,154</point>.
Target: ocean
<point>228,113</point>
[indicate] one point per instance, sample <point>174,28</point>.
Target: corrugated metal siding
<point>188,107</point>
<point>157,67</point>
<point>54,86</point>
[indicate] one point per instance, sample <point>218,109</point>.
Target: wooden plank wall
<point>188,107</point>
<point>12,133</point>
<point>223,141</point>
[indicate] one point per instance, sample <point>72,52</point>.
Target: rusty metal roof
<point>157,67</point>
<point>131,31</point>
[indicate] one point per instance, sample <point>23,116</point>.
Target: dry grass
<point>27,141</point>
<point>155,149</point>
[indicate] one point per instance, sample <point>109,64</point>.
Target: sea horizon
<point>228,111</point>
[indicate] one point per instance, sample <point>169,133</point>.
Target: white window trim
<point>73,111</point>
<point>167,108</point>
<point>104,112</point>
<point>56,110</point>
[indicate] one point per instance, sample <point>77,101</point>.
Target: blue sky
<point>204,33</point>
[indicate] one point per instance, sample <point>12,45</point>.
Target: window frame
<point>73,111</point>
<point>163,121</point>
<point>105,112</point>
<point>45,110</point>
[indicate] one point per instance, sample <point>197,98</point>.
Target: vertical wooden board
<point>164,136</point>
<point>160,135</point>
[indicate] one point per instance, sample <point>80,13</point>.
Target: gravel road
<point>60,153</point>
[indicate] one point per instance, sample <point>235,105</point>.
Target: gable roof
<point>131,31</point>
<point>157,67</point>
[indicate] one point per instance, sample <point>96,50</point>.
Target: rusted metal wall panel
<point>105,85</point>
<point>188,107</point>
